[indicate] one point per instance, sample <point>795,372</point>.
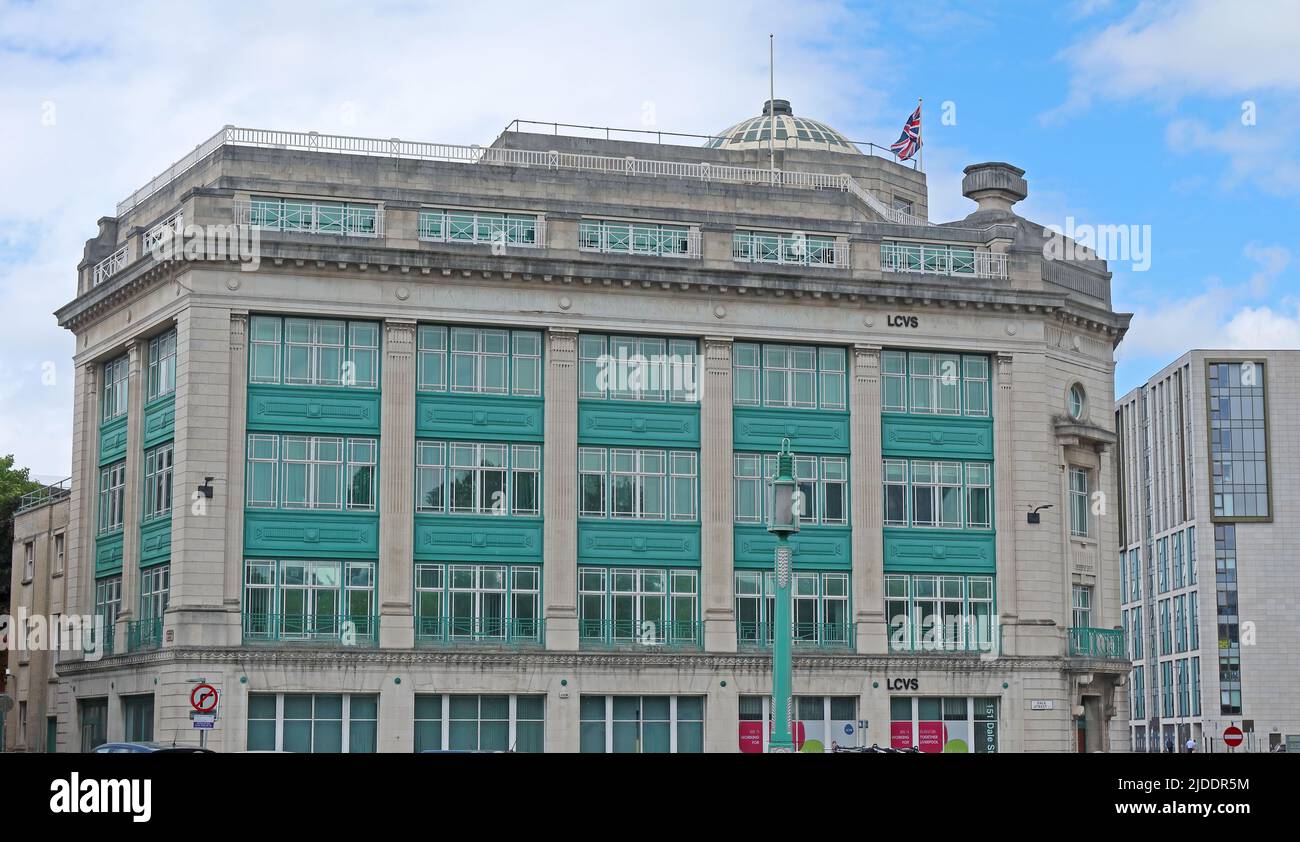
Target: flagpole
<point>771,102</point>
<point>920,139</point>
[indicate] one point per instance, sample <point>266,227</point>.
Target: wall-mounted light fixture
<point>1034,516</point>
<point>206,488</point>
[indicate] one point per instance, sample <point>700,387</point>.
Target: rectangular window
<point>1082,618</point>
<point>115,374</point>
<point>112,485</point>
<point>618,237</point>
<point>789,376</point>
<point>329,473</point>
<point>939,497</point>
<point>937,613</point>
<point>158,481</point>
<point>137,718</point>
<point>641,724</point>
<point>823,482</point>
<point>480,723</point>
<point>315,217</point>
<point>478,602</point>
<point>1238,433</point>
<point>307,600</point>
<point>639,606</point>
<point>59,542</point>
<point>477,478</point>
<point>29,561</point>
<point>469,226</point>
<point>162,366</point>
<point>795,248</point>
<point>479,361</point>
<point>936,724</point>
<point>934,383</point>
<point>313,352</point>
<point>642,484</point>
<point>313,723</point>
<point>1080,500</point>
<point>638,368</point>
<point>155,590</point>
<point>820,617</point>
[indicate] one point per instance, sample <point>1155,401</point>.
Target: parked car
<point>149,748</point>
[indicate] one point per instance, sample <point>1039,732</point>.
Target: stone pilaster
<point>235,467</point>
<point>80,568</point>
<point>866,507</point>
<point>396,486</point>
<point>132,493</point>
<point>560,488</point>
<point>1004,450</point>
<point>717,557</point>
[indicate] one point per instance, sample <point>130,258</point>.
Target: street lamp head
<point>787,501</point>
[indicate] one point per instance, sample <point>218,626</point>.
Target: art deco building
<point>474,454</point>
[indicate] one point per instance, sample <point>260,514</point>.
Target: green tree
<point>14,483</point>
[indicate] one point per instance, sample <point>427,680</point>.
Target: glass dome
<point>791,132</point>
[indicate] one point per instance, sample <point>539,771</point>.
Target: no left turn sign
<point>203,698</point>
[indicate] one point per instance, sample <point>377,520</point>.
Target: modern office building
<point>468,447</point>
<point>1207,550</point>
<point>37,605</point>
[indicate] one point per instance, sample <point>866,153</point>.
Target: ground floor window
<point>478,602</point>
<point>639,605</point>
<point>313,723</point>
<point>93,714</point>
<point>480,722</point>
<point>820,723</point>
<point>940,613</point>
<point>949,724</point>
<point>310,601</point>
<point>641,724</point>
<point>819,612</point>
<point>137,717</point>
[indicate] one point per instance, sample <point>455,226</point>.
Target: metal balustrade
<point>308,217</point>
<point>151,238</point>
<point>338,629</point>
<point>789,250</point>
<point>475,154</point>
<point>1096,643</point>
<point>144,634</point>
<point>647,634</point>
<point>501,631</point>
<point>941,260</point>
<point>453,226</point>
<point>751,635</point>
<point>608,237</point>
<point>44,494</point>
<point>108,267</point>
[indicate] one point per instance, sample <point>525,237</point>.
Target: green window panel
<point>789,376</point>
<point>639,607</point>
<point>479,361</point>
<point>638,368</point>
<point>823,483</point>
<point>478,478</point>
<point>925,383</point>
<point>323,473</point>
<point>112,486</point>
<point>641,724</point>
<point>313,723</point>
<point>940,613</point>
<point>161,375</point>
<point>114,376</point>
<point>937,495</point>
<point>478,603</point>
<point>638,483</point>
<point>820,614</point>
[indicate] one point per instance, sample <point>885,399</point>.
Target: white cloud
<point>131,90</point>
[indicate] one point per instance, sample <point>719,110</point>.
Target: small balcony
<point>108,267</point>
<point>306,217</point>
<point>483,631</point>
<point>839,636</point>
<point>947,261</point>
<point>789,250</point>
<point>325,629</point>
<point>1096,643</point>
<point>141,635</point>
<point>629,634</point>
<point>606,237</point>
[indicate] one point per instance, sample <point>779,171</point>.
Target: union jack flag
<point>909,142</point>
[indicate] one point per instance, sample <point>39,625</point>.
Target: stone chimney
<point>994,185</point>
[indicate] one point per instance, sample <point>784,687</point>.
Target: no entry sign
<point>203,698</point>
<point>1233,736</point>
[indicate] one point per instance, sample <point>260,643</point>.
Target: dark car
<point>149,748</point>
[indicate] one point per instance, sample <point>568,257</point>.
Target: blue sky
<point>1121,113</point>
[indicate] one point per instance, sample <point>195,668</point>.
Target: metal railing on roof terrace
<point>45,494</point>
<point>644,135</point>
<point>474,154</point>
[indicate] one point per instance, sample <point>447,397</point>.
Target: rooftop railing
<point>941,260</point>
<point>109,266</point>
<point>45,494</point>
<point>474,154</point>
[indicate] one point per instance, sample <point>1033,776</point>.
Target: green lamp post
<point>783,521</point>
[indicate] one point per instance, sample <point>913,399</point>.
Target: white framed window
<point>937,495</point>
<point>789,376</point>
<point>155,589</point>
<point>641,724</point>
<point>924,383</point>
<point>314,472</point>
<point>637,368</point>
<point>479,360</point>
<point>926,612</point>
<point>593,482</point>
<point>296,599</point>
<point>162,366</point>
<point>641,484</point>
<point>823,482</point>
<point>1082,607</point>
<point>29,561</point>
<point>470,722</point>
<point>470,226</point>
<point>314,352</point>
<point>644,606</point>
<point>115,374</point>
<point>108,601</point>
<point>315,217</point>
<point>485,361</point>
<point>1080,499</point>
<point>478,602</point>
<point>478,478</point>
<point>820,612</point>
<point>60,540</point>
<point>112,485</point>
<point>158,481</point>
<point>313,723</point>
